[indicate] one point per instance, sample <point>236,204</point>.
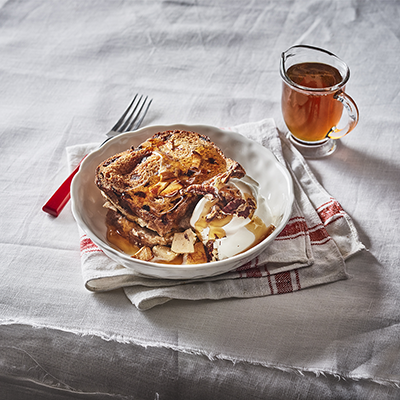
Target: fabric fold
<point>311,250</point>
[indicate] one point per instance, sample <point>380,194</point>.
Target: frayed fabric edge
<point>212,357</point>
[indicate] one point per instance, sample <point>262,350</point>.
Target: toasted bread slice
<point>158,183</point>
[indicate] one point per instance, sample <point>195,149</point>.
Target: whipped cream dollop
<point>232,234</point>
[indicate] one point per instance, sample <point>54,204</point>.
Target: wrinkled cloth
<point>311,250</point>
<point>68,70</point>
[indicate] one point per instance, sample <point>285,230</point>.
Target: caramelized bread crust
<point>158,183</point>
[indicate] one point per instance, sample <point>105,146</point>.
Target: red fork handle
<point>61,196</point>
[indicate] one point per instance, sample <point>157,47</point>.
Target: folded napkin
<point>311,250</point>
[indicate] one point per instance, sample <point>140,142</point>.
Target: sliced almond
<point>159,187</point>
<point>183,242</point>
<point>109,205</point>
<point>164,253</point>
<point>173,187</point>
<point>166,175</point>
<point>144,254</point>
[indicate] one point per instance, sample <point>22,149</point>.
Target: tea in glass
<point>313,99</point>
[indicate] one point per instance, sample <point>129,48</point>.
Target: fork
<point>130,120</point>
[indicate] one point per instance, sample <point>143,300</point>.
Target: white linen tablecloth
<point>67,71</point>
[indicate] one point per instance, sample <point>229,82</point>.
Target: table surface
<point>67,70</point>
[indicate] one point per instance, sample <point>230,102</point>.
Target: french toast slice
<point>134,233</point>
<point>158,183</point>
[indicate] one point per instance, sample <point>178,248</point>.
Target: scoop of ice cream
<point>232,230</point>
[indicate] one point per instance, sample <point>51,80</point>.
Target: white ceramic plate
<point>260,164</point>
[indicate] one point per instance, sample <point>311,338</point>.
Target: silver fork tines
<point>133,116</point>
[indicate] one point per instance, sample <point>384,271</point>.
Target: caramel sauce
<point>259,230</point>
<point>119,242</point>
<point>176,261</point>
<point>216,225</point>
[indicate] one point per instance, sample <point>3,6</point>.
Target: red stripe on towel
<point>319,235</point>
<point>254,272</point>
<point>87,246</point>
<point>330,211</point>
<point>283,281</point>
<point>294,228</point>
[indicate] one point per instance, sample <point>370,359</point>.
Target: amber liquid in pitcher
<point>311,116</point>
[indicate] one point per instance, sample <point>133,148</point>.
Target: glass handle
<point>353,114</point>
